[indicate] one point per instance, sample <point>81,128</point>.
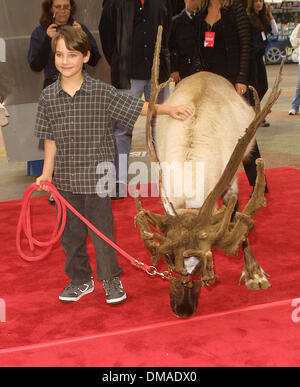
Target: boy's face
<point>69,63</point>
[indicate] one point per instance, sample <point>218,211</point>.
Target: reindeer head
<point>186,235</point>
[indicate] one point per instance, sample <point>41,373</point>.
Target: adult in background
<point>128,30</point>
<point>53,14</point>
<point>295,42</point>
<point>224,42</point>
<point>262,23</point>
<point>182,42</point>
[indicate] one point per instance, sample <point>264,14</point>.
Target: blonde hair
<point>224,3</point>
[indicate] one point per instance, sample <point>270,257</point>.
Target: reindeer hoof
<point>257,281</point>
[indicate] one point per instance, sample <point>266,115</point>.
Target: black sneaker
<point>114,291</point>
<point>265,124</point>
<point>75,292</point>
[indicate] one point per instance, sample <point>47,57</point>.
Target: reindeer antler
<point>256,99</point>
<point>238,153</point>
<point>155,89</point>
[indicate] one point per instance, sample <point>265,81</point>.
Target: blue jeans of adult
<point>296,99</point>
<point>123,136</point>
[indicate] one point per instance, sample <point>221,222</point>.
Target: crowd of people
<point>84,121</point>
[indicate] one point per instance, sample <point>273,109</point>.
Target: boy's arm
<point>49,156</point>
<point>179,112</point>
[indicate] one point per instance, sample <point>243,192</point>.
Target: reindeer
<point>216,136</point>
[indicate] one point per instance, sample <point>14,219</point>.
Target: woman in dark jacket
<point>223,37</point>
<point>224,41</point>
<point>40,56</point>
<point>262,23</point>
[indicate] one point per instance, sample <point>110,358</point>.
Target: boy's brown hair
<point>75,39</point>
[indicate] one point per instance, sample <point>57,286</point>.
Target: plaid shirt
<point>82,128</point>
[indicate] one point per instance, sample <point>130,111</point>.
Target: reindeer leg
<point>253,274</point>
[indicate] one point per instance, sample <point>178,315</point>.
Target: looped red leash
<point>25,226</point>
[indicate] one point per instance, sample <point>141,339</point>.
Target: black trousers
<point>74,238</point>
<point>250,164</point>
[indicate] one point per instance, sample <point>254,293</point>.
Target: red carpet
<point>232,326</point>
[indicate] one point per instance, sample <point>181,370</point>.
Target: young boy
<point>74,118</point>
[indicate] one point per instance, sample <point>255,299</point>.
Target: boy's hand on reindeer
<point>181,112</point>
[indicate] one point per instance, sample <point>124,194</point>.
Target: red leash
<point>24,225</point>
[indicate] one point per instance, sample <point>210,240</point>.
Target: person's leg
<point>296,100</point>
<point>99,212</point>
<point>73,241</point>
<point>123,137</point>
<point>122,144</point>
<point>162,96</point>
<point>108,269</point>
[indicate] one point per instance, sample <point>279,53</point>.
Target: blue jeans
<point>296,99</point>
<point>123,135</point>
